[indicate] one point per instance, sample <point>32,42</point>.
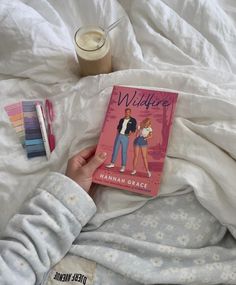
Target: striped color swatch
<point>33,137</point>
<point>16,116</point>
<point>24,120</point>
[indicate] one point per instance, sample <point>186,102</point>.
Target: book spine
<point>104,120</point>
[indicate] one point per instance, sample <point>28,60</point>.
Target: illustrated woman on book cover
<point>141,144</point>
<point>126,126</point>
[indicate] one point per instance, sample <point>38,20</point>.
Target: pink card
<point>16,116</point>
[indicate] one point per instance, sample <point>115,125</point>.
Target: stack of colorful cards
<point>16,116</point>
<point>33,137</point>
<point>24,119</point>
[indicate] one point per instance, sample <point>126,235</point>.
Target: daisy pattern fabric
<point>155,244</point>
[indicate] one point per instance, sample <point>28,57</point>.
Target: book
<point>135,136</point>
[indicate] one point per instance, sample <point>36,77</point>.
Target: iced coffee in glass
<point>93,50</point>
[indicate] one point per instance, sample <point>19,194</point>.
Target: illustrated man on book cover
<point>126,126</point>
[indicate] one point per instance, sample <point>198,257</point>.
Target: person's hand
<point>81,167</point>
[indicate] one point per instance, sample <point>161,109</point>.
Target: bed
<point>183,46</point>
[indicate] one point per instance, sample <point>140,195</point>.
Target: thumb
<point>95,162</point>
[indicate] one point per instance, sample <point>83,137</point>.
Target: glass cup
<point>93,50</point>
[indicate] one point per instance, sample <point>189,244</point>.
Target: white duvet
<point>185,46</point>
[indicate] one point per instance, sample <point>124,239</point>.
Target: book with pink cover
<point>135,136</point>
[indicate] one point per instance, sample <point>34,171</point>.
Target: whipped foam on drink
<point>92,45</point>
<point>91,40</point>
<point>93,50</point>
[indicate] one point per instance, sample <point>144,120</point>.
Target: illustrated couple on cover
<point>125,128</point>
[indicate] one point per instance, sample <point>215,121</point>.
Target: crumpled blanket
<point>182,46</point>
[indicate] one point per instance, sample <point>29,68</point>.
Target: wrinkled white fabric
<point>184,46</point>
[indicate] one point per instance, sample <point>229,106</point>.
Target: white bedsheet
<point>185,46</point>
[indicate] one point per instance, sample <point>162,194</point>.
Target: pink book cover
<point>135,136</point>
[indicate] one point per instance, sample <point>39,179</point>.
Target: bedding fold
<point>182,46</point>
